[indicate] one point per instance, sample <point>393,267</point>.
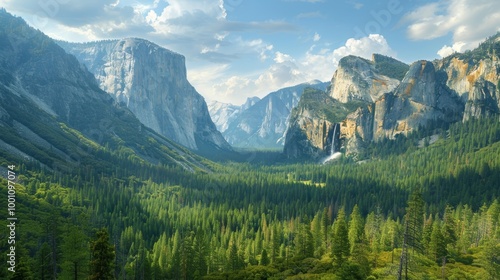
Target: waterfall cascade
<point>333,154</point>
<point>332,149</point>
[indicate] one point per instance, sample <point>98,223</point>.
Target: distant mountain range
<point>131,98</point>
<point>260,123</point>
<point>223,114</point>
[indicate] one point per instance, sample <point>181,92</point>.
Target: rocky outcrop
<point>151,81</point>
<point>484,100</point>
<point>474,76</point>
<point>420,99</point>
<point>312,124</point>
<point>357,86</point>
<point>426,94</point>
<point>357,129</point>
<point>358,79</point>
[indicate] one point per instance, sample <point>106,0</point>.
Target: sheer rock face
<point>357,128</point>
<point>386,99</point>
<point>476,81</point>
<point>419,99</point>
<point>151,81</point>
<point>358,79</point>
<point>312,125</point>
<point>484,100</point>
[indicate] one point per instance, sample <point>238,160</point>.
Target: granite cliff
<point>385,98</point>
<point>53,113</point>
<point>151,81</point>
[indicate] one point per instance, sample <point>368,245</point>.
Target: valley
<point>123,171</point>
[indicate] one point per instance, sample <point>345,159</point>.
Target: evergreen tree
<point>359,256</point>
<point>187,258</point>
<point>303,241</point>
<point>276,240</point>
<point>176,258</point>
<point>233,258</point>
<point>491,259</point>
<point>356,227</point>
<point>414,220</point>
<point>102,256</point>
<point>264,259</point>
<point>373,228</point>
<point>449,226</point>
<point>23,271</point>
<point>426,234</point>
<point>412,238</point>
<point>43,268</point>
<point>75,254</point>
<point>200,251</point>
<point>316,230</point>
<point>340,240</point>
<point>325,226</point>
<point>437,244</point>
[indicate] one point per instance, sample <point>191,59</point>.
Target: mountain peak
<point>152,82</point>
<point>358,79</point>
<point>314,82</point>
<point>54,113</point>
<point>250,102</point>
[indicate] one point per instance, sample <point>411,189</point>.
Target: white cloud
<point>281,74</point>
<point>316,37</point>
<point>197,29</point>
<point>264,51</point>
<point>469,21</point>
<point>236,89</point>
<point>364,47</point>
<point>316,63</point>
<point>233,89</point>
<point>211,43</point>
<point>282,57</point>
<point>448,50</point>
<point>94,18</point>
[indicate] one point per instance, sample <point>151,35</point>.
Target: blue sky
<point>240,48</point>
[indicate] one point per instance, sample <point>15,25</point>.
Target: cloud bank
<point>468,21</point>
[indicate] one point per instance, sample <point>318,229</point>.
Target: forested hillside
<point>346,220</point>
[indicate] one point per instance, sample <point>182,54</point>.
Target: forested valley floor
<point>420,207</point>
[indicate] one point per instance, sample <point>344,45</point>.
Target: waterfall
<point>332,150</point>
<point>333,153</point>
